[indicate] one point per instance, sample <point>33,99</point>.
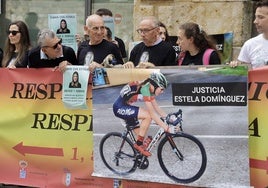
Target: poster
<point>224,46</point>
<point>65,27</point>
<point>109,22</point>
<point>221,128</point>
<point>75,85</point>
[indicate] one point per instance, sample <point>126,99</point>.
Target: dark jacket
<point>35,61</point>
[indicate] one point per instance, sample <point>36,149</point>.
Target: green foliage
<point>239,70</point>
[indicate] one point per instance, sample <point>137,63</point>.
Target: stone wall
<point>214,16</point>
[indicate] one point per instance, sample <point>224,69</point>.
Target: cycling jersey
<point>129,94</point>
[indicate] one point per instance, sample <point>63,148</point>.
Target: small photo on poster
<point>207,118</point>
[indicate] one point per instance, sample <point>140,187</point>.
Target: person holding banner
<point>197,48</point>
<point>51,53</point>
<point>152,51</point>
<point>254,51</point>
<point>101,49</point>
<point>17,46</point>
<point>104,12</point>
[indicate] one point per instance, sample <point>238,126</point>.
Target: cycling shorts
<point>126,112</point>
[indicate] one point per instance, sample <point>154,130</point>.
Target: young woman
<point>63,27</point>
<point>195,44</point>
<point>146,91</point>
<point>163,32</point>
<point>75,81</point>
<point>17,46</point>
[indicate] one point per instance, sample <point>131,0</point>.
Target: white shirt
<point>255,52</point>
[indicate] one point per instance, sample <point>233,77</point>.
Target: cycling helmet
<point>159,80</point>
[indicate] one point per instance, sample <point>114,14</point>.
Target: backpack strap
<point>206,56</point>
<point>181,58</point>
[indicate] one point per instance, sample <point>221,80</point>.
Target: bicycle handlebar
<point>174,118</point>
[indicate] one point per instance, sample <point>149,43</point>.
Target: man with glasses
<point>50,52</point>
<point>101,49</point>
<point>152,51</point>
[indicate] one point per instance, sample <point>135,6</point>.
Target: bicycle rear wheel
<point>182,157</point>
<point>117,153</point>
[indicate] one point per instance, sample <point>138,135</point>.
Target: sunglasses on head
<point>13,32</point>
<point>56,45</point>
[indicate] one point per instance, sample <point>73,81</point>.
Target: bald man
<point>97,45</point>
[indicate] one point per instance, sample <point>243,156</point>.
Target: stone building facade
<point>214,16</point>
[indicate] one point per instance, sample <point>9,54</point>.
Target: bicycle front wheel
<point>182,157</point>
<point>117,153</point>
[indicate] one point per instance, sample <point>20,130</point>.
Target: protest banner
<point>220,125</point>
<point>45,144</point>
<point>258,122</point>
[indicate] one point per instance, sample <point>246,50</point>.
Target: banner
<point>43,144</point>
<point>258,129</point>
<point>221,127</point>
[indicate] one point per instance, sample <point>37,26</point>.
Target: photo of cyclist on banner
<point>145,90</point>
<point>160,120</point>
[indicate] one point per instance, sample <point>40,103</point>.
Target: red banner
<point>258,129</point>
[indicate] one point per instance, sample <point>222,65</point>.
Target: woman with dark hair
<point>17,46</point>
<point>197,48</point>
<point>63,27</point>
<point>164,32</point>
<point>75,81</point>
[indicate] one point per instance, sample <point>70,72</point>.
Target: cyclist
<point>145,90</point>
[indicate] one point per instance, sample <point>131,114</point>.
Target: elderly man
<point>50,52</point>
<point>152,51</point>
<point>104,12</point>
<point>101,49</point>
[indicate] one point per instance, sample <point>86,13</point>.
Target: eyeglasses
<point>14,33</point>
<point>144,31</point>
<point>56,45</point>
<point>98,28</point>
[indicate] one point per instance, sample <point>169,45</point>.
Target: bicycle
<point>181,156</point>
